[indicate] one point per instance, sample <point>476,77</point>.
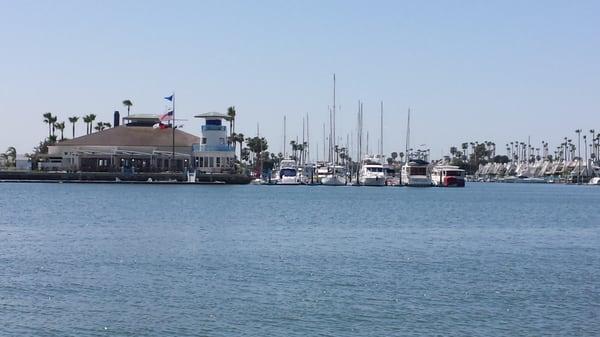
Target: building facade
<point>136,146</point>
<point>213,153</point>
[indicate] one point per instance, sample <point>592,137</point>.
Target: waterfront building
<point>142,144</point>
<point>213,153</point>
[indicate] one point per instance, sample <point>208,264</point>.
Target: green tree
<point>453,151</point>
<point>10,156</point>
<point>53,120</point>
<point>245,154</point>
<point>73,120</point>
<point>47,120</point>
<point>231,113</point>
<point>239,138</point>
<point>257,145</point>
<point>294,149</point>
<point>501,159</point>
<point>60,127</point>
<point>100,126</point>
<point>128,104</point>
<point>394,155</point>
<point>92,119</point>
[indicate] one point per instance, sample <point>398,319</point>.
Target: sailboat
<point>336,174</point>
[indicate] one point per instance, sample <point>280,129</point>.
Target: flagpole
<point>173,127</point>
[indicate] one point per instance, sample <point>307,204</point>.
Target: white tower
<point>214,153</point>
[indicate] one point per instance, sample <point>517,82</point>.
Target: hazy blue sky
<point>470,70</point>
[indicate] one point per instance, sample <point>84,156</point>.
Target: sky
<point>481,70</point>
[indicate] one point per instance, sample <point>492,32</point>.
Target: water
<point>129,260</point>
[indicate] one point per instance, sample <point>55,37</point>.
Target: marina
<point>299,168</point>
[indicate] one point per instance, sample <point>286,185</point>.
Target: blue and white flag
<point>170,98</point>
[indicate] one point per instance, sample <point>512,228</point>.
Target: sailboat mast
<point>284,137</point>
<point>334,138</point>
<point>381,134</point>
<point>303,141</point>
<point>324,142</point>
<point>407,136</point>
<point>330,133</point>
<point>307,139</point>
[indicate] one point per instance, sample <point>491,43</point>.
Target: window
<point>211,161</point>
<point>203,140</point>
<point>418,171</point>
<point>200,161</point>
<point>218,161</point>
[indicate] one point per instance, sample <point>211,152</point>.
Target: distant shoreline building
<point>144,144</point>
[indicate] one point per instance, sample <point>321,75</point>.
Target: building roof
<point>213,115</point>
<point>133,136</point>
<point>145,117</point>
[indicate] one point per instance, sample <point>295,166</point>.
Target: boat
<point>448,176</point>
<point>594,181</point>
<point>335,176</point>
<point>415,173</point>
<point>524,179</point>
<point>371,174</point>
<point>392,178</point>
<point>288,173</point>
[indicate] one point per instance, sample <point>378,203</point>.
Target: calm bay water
<point>129,260</point>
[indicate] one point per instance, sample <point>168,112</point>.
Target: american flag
<point>167,117</point>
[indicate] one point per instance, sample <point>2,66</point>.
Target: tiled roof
<point>133,136</point>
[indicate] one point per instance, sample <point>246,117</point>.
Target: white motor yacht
<point>288,173</point>
<point>371,174</point>
<point>415,173</point>
<point>336,176</point>
<point>447,176</point>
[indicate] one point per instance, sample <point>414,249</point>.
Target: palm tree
<point>61,127</point>
<point>294,147</point>
<point>100,126</point>
<point>453,150</point>
<point>53,120</point>
<point>231,114</point>
<point>465,147</point>
<point>73,120</point>
<point>86,120</point>
<point>10,155</point>
<point>128,103</point>
<point>47,118</point>
<point>239,138</point>
<point>92,119</point>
